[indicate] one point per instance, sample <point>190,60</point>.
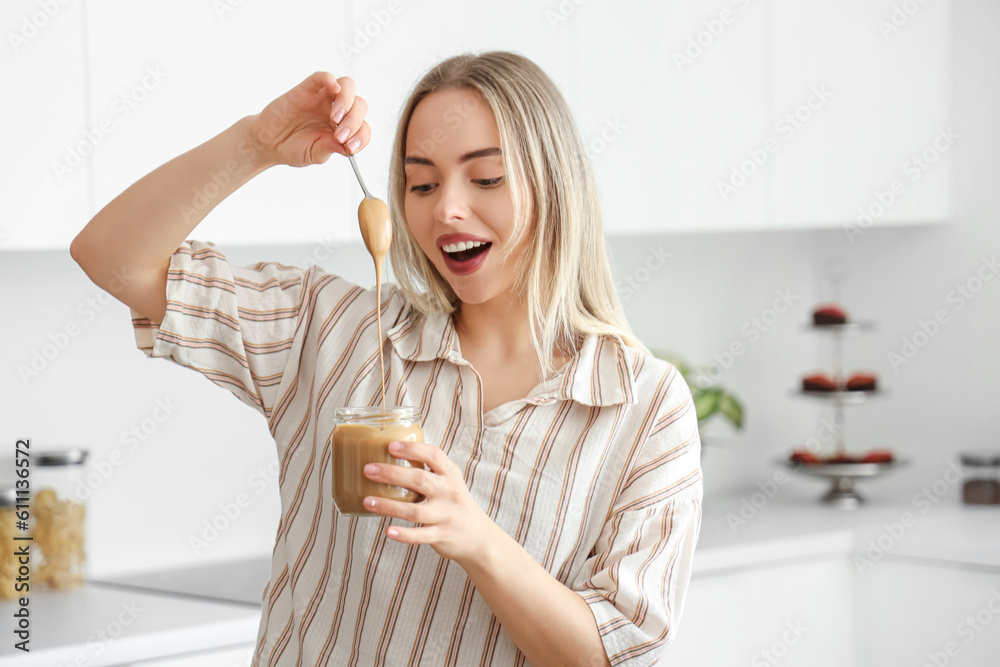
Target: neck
<point>499,325</point>
<point>499,329</point>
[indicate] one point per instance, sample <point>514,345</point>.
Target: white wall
<point>212,448</point>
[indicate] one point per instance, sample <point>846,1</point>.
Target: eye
<point>490,182</point>
<point>421,189</point>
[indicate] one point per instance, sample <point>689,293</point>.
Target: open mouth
<point>463,251</point>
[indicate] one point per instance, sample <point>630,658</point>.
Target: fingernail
<point>372,469</point>
<point>339,116</point>
<point>395,446</point>
<point>343,134</point>
<point>354,145</point>
<point>371,502</point>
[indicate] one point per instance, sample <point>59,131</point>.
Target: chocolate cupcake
<point>861,382</point>
<point>818,382</point>
<point>829,314</point>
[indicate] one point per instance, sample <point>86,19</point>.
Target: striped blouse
<point>596,473</point>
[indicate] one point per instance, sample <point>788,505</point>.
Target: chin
<point>471,297</point>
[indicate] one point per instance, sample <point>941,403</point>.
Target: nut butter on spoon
<point>376,230</point>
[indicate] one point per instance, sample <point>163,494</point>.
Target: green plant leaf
<point>731,408</point>
<point>706,402</point>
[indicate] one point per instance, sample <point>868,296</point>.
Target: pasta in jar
<point>59,539</point>
<point>58,522</point>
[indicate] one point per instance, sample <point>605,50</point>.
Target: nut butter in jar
<point>982,478</point>
<point>362,436</point>
<point>59,519</point>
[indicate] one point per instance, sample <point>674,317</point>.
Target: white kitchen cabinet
<point>744,114</point>
<point>893,611</point>
<point>793,614</point>
<point>48,136</point>
<point>671,96</point>
<point>719,115</point>
<point>190,69</point>
<point>917,613</point>
<point>875,149</point>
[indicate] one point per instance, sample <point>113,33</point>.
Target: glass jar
<point>8,556</point>
<point>362,436</point>
<point>982,478</point>
<point>59,519</point>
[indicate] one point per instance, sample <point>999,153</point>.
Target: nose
<point>452,203</point>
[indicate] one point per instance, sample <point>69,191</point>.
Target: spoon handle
<point>358,174</point>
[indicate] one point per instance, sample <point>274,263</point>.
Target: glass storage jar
<point>362,436</point>
<point>8,556</point>
<point>58,516</point>
<point>981,485</point>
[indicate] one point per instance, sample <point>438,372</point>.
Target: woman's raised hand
<point>315,119</point>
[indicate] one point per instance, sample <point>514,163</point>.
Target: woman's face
<point>457,195</point>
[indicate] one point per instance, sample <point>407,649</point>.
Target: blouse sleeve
<point>636,578</point>
<point>234,325</point>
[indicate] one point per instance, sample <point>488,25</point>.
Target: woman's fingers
<point>323,80</point>
<point>415,479</point>
<point>343,101</point>
<point>422,513</point>
<point>350,125</point>
<point>435,458</point>
<point>360,139</point>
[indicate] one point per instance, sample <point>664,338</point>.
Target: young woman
<point>563,489</point>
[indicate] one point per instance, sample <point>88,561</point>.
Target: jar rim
<point>376,411</point>
<point>61,457</point>
<point>980,459</point>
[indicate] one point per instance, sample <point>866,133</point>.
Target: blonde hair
<point>566,279</point>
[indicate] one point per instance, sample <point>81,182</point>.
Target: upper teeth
<point>462,245</point>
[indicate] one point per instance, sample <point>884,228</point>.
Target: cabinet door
<point>172,75</point>
<point>911,613</point>
<point>48,137</point>
<point>671,101</point>
<point>796,615</point>
<point>876,143</point>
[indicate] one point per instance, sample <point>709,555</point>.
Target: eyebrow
<point>471,155</point>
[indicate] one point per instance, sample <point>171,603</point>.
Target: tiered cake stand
<point>842,475</point>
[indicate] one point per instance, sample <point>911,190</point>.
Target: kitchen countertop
<point>750,530</point>
<point>241,581</point>
<point>101,624</point>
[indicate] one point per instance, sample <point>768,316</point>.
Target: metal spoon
<point>358,174</point>
<point>373,217</point>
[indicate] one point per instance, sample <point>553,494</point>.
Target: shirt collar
<point>602,373</point>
